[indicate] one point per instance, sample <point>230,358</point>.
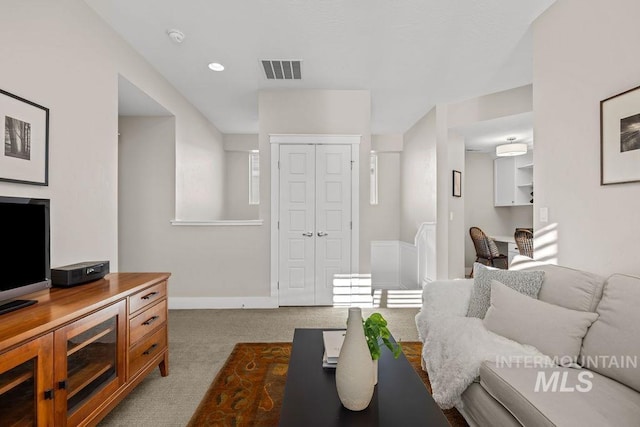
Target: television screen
<point>24,258</point>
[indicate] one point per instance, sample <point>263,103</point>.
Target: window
<point>254,177</point>
<point>373,178</point>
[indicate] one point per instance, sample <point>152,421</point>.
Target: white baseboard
<point>189,303</point>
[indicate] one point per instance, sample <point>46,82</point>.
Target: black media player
<point>77,274</point>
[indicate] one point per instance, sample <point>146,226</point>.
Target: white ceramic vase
<point>375,372</point>
<point>354,373</point>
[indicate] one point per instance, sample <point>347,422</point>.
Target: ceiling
<point>410,54</point>
<point>484,136</point>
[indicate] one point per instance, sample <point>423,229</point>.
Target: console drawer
<point>148,296</point>
<point>147,321</point>
<point>146,350</point>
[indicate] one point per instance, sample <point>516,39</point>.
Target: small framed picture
<point>25,155</point>
<point>620,138</point>
<point>457,184</point>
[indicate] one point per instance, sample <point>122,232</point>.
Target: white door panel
<point>297,225</point>
<point>333,218</point>
<point>315,197</point>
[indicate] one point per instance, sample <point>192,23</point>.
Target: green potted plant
<point>377,334</point>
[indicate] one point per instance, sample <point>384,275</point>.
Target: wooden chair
<point>524,241</point>
<point>487,252</point>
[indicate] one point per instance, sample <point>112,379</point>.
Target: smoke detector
<point>176,35</point>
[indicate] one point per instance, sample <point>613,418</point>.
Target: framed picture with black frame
<point>25,154</point>
<point>457,183</point>
<point>620,138</point>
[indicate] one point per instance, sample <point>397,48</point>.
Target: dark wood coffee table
<point>311,399</point>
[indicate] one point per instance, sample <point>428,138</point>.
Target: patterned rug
<point>249,388</point>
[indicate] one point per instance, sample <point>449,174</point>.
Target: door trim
<point>314,139</point>
<point>275,140</point>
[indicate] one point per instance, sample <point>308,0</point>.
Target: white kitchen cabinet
<point>513,180</point>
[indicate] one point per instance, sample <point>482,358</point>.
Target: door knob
<point>322,234</point>
<point>308,234</point>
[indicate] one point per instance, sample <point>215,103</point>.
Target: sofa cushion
<point>612,345</point>
<point>555,331</point>
<point>484,410</point>
<point>526,282</point>
<point>574,289</point>
<point>587,398</point>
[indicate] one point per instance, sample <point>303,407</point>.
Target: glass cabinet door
<point>26,380</point>
<point>91,362</point>
<point>92,365</point>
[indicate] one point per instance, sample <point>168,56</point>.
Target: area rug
<point>249,388</point>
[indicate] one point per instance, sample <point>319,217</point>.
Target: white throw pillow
<point>612,345</point>
<point>555,331</point>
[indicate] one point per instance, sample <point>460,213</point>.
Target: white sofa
<point>508,396</point>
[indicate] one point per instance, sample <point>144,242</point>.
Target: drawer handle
<point>151,320</point>
<point>149,296</point>
<point>150,350</point>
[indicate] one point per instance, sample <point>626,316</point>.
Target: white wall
<point>443,193</point>
<point>509,102</point>
<point>40,42</point>
<point>236,204</point>
<point>387,142</point>
<point>63,56</point>
<point>431,152</point>
<point>240,141</point>
<point>418,177</point>
<point>583,55</point>
<point>146,152</point>
<point>456,208</point>
<point>237,148</point>
<point>386,259</point>
<point>209,264</point>
<point>383,223</point>
<point>479,208</point>
<point>200,171</point>
<point>338,112</point>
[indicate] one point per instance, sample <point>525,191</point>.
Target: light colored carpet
<point>201,340</point>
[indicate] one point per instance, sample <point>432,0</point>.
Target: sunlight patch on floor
<point>355,290</point>
<point>404,298</point>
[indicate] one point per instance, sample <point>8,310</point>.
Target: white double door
<point>314,222</point>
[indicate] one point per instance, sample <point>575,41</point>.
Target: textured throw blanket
<point>455,345</point>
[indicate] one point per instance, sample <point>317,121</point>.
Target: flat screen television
<point>24,258</point>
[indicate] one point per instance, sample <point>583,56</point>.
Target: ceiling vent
<point>282,69</point>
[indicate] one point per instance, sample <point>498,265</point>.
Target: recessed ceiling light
<point>216,66</point>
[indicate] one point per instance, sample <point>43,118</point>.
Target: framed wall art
<point>25,150</point>
<point>620,138</point>
<point>457,184</point>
